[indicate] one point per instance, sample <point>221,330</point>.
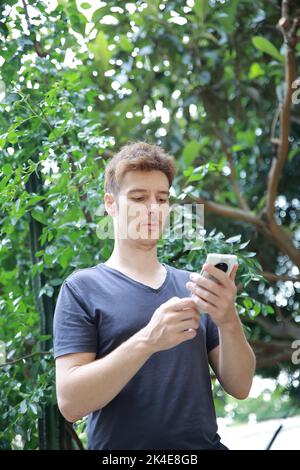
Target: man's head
<point>137,183</point>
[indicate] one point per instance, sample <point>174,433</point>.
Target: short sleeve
<point>212,334</point>
<point>74,328</point>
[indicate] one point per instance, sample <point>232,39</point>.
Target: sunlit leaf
<point>266,46</point>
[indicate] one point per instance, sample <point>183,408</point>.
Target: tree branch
<point>81,192</point>
<point>271,353</point>
<point>23,358</point>
<point>280,329</point>
<point>226,211</point>
<point>235,184</point>
<point>289,29</point>
<point>72,433</point>
<point>233,177</point>
<point>274,277</point>
<point>284,242</point>
<point>36,44</point>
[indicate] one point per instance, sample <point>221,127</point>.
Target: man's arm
<point>84,384</point>
<point>233,361</point>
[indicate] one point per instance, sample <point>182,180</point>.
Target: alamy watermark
<point>2,352</point>
<point>139,221</point>
<point>296,354</point>
<point>296,93</point>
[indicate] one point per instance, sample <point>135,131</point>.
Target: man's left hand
<point>216,299</point>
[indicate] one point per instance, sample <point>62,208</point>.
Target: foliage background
<point>210,81</point>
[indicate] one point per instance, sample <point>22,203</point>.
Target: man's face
<point>142,205</point>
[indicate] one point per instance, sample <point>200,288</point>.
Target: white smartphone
<point>223,262</point>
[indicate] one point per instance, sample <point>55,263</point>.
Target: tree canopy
<point>214,82</point>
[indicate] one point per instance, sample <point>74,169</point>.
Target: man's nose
<point>152,203</point>
<point>152,207</point>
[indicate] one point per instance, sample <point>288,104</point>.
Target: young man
<point>132,350</point>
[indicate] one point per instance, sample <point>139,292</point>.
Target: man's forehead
<point>146,179</point>
<point>144,182</point>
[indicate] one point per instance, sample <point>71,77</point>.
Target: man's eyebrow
<point>145,191</point>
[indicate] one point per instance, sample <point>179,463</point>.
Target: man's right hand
<point>172,323</point>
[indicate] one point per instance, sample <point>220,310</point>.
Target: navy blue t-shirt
<point>168,403</point>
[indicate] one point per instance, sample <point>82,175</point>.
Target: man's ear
<point>110,204</point>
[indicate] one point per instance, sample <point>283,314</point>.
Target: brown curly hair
<point>137,156</point>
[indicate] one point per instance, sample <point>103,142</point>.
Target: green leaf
<point>247,303</point>
<point>77,19</point>
<point>201,8</point>
<point>66,257</point>
<point>34,200</point>
<point>47,290</point>
<point>2,140</point>
<point>256,71</point>
<point>39,215</point>
<point>125,44</point>
<point>236,238</point>
<point>196,177</point>
<point>243,245</point>
<point>266,46</point>
<point>190,152</point>
<point>97,15</point>
<point>293,153</point>
<point>44,337</point>
<point>7,169</point>
<point>56,281</point>
<point>99,47</point>
<point>257,308</point>
<point>12,137</point>
<point>85,5</point>
<point>269,309</point>
<point>33,408</point>
<point>23,407</point>
<point>228,15</point>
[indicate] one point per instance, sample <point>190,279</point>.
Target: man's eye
<point>139,199</point>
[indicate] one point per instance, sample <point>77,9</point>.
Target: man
<point>132,350</point>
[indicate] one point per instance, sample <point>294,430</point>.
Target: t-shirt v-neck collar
<point>145,286</point>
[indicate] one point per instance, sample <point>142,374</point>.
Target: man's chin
<point>150,240</point>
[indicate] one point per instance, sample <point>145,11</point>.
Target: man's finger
<point>185,302</point>
<point>233,272</point>
<point>203,282</point>
<point>217,273</point>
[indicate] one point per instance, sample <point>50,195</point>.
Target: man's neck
<point>135,258</point>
